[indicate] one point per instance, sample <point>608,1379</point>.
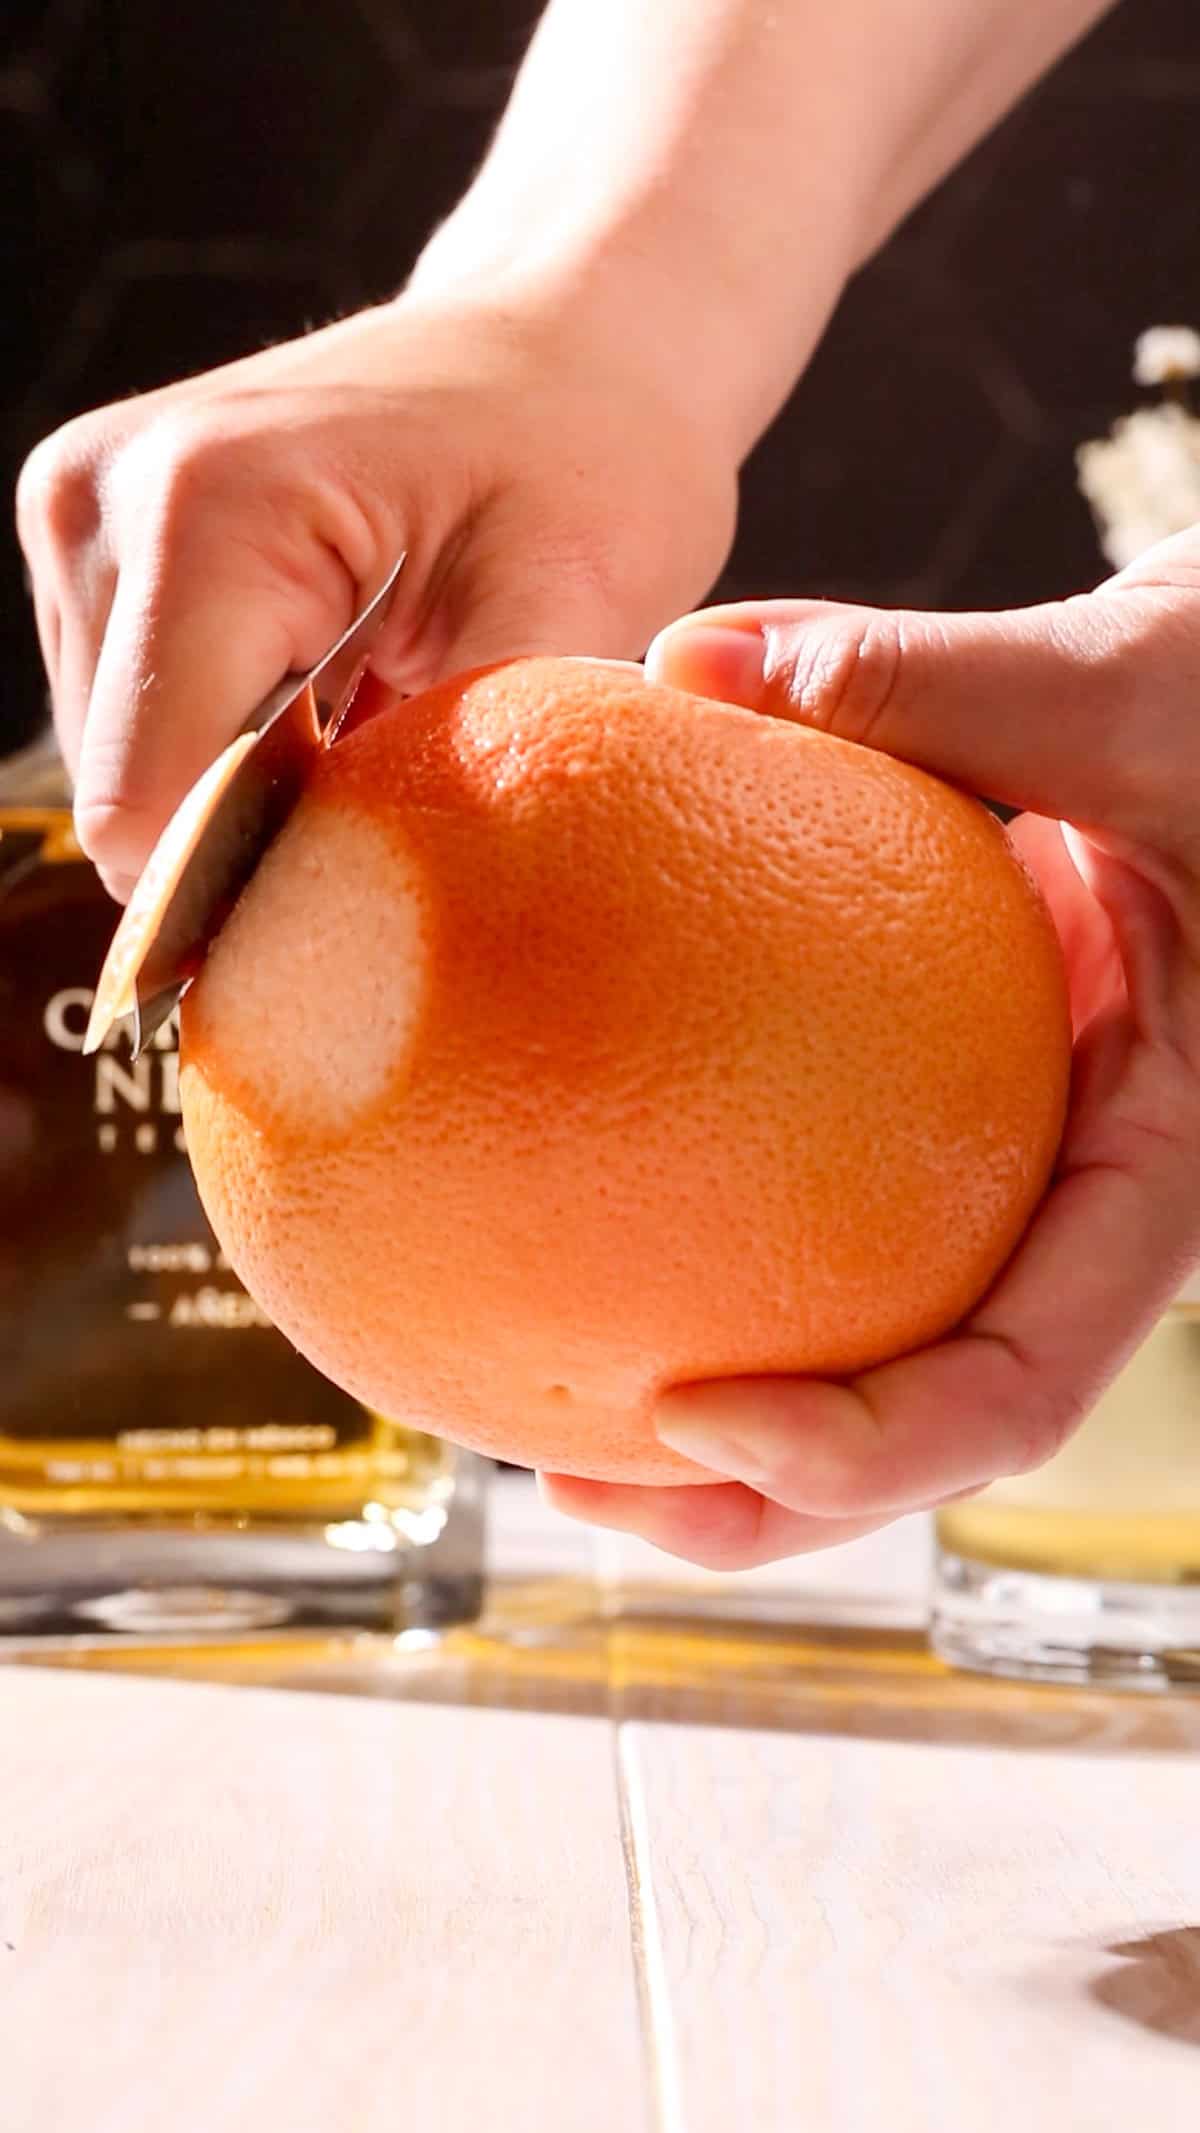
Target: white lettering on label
<point>127,1084</point>
<point>67,1034</point>
<point>65,1022</point>
<point>228,1309</point>
<point>188,1257</point>
<point>146,1087</point>
<point>263,1437</point>
<point>169,1099</point>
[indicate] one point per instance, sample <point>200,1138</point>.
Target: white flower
<point>1143,480</point>
<point>1165,353</point>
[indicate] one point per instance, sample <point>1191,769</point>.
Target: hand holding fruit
<point>576,1037</point>
<point>1082,712</point>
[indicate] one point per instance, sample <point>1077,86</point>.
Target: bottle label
<point>130,1354</point>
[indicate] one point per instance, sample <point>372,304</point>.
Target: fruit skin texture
<point>579,1037</point>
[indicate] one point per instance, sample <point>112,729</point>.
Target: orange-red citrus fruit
<point>578,1037</point>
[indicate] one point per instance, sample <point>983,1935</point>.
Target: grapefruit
<point>578,1037</point>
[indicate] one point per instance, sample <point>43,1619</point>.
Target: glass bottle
<point>169,1465</point>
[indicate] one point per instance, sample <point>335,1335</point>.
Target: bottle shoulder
<point>35,778</point>
<point>36,823</point>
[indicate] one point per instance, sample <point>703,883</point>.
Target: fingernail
<point>718,1427</point>
<point>709,661</point>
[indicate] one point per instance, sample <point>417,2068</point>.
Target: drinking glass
<point>1088,1570</point>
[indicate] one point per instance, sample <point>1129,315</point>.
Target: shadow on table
<point>1156,1983</point>
<point>564,1646</point>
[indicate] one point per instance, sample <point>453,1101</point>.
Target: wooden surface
<point>640,1854</point>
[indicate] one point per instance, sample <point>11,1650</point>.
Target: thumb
<point>1070,710</point>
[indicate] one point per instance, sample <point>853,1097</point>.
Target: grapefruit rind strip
<point>115,995</point>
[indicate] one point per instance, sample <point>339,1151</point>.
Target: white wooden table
<point>630,1858</point>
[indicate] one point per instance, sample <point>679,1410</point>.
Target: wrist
<point>559,418</point>
<point>654,300</point>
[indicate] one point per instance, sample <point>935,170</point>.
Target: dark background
<point>183,184</point>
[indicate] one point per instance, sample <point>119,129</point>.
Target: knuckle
<point>845,1465</point>
<point>1143,645</point>
<point>1171,782</point>
<point>58,490</point>
<point>842,1486</point>
<point>175,465</point>
<point>716,1531</point>
<point>1044,1429</point>
<point>846,675</point>
<point>102,829</point>
<point>114,831</point>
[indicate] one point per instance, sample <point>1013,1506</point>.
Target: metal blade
<point>336,674</point>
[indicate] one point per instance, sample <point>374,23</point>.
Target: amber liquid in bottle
<point>166,1457</point>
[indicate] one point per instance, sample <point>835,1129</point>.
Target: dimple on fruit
<point>578,1037</point>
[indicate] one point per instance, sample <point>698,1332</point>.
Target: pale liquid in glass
<point>1088,1570</point>
<point>1122,1499</point>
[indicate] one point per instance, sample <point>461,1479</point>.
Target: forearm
<point>701,176</point>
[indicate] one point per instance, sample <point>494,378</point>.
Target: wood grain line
<point>659,2039</point>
